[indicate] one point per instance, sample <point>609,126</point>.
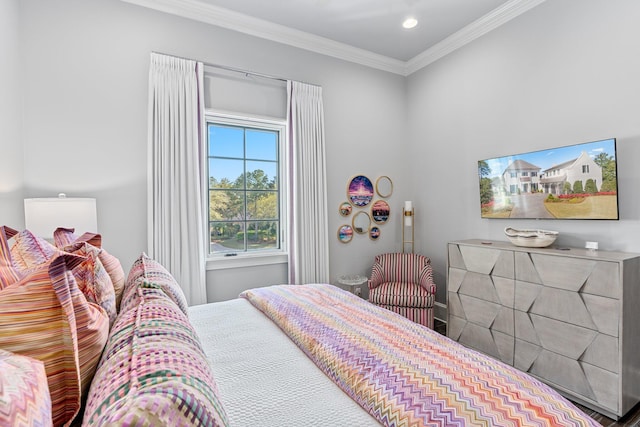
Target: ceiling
<point>362,31</point>
<point>372,25</point>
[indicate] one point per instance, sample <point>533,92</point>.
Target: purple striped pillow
<point>146,269</point>
<point>153,370</point>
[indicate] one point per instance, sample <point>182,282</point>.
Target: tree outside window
<point>244,189</point>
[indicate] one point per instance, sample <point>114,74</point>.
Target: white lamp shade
<point>42,216</point>
<point>408,213</point>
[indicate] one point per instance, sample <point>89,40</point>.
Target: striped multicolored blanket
<point>403,373</point>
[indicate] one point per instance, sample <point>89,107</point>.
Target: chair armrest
<point>426,279</point>
<point>377,276</point>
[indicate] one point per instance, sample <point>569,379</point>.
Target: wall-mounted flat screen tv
<point>571,182</point>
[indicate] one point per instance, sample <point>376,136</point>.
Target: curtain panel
<point>176,205</point>
<point>308,225</point>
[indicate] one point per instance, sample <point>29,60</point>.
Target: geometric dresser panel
<point>560,315</point>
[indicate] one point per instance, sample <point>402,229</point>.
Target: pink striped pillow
<point>64,237</point>
<point>24,391</point>
<point>29,251</point>
<point>8,273</point>
<point>93,279</point>
<point>37,320</point>
<point>46,316</point>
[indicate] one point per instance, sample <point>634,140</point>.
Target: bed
<point>316,355</point>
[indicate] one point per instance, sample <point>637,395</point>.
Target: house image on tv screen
<point>571,176</point>
<point>521,177</point>
<point>571,182</point>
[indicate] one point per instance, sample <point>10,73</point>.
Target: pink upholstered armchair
<point>403,282</point>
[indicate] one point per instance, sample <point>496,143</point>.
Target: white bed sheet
<point>264,379</point>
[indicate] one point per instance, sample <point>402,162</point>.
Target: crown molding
<point>476,29</point>
<point>204,12</point>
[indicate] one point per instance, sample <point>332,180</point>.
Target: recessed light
<point>409,23</point>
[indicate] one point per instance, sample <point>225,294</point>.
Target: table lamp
<point>43,215</point>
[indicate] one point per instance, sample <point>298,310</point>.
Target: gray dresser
<point>568,317</point>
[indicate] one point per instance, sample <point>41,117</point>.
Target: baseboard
<point>440,311</point>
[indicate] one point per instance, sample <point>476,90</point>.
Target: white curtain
<point>177,221</point>
<point>309,245</point>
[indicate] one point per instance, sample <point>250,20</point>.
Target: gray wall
<point>85,67</point>
<point>565,72</point>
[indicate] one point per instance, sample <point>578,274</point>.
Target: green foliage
<point>566,189</point>
<point>602,159</point>
<point>590,186</point>
<point>486,193</point>
<point>608,186</point>
<point>608,165</point>
<point>259,236</point>
<point>252,195</point>
<point>483,169</point>
<point>552,199</point>
<point>609,177</point>
<point>577,187</point>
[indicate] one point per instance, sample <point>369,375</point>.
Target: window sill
<point>246,260</point>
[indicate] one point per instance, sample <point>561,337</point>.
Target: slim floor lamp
<point>407,222</point>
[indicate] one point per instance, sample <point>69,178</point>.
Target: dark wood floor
<point>632,419</point>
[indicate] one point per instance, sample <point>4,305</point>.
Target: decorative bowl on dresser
<point>531,238</point>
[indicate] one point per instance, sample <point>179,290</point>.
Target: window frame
<point>257,257</point>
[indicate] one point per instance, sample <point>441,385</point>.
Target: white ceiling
<point>362,31</point>
<point>373,25</point>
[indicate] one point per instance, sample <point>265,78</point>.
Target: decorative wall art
<point>374,233</point>
<point>345,233</point>
<point>345,209</point>
<point>360,194</point>
<point>360,191</point>
<point>380,211</point>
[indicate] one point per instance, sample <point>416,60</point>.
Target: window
<point>514,174</point>
<point>585,168</point>
<point>245,185</point>
<point>525,173</point>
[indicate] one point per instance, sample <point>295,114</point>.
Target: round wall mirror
<point>361,222</point>
<point>384,186</point>
<point>345,209</point>
<point>345,233</point>
<point>380,211</point>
